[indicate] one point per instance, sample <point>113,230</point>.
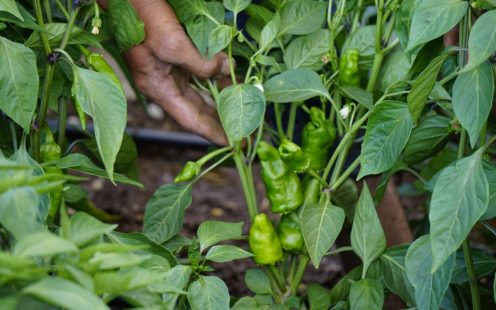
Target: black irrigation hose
<point>145,135</point>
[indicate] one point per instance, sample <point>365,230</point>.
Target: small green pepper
<point>99,64</point>
<point>282,185</point>
<point>263,240</point>
<point>317,138</point>
<point>293,156</point>
<point>311,190</point>
<point>348,69</point>
<point>190,171</point>
<point>289,232</point>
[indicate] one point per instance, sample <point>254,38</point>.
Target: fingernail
<point>225,67</point>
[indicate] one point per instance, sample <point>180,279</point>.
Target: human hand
<point>163,64</point>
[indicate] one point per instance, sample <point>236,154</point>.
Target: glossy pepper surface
<point>311,191</point>
<point>99,64</point>
<point>348,69</point>
<point>317,138</point>
<point>264,242</point>
<point>191,170</point>
<point>289,232</point>
<point>282,185</point>
<point>292,154</point>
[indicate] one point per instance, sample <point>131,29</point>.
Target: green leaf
<point>226,253</point>
<point>258,281</point>
<point>102,99</point>
<point>245,303</point>
<point>460,198</point>
<point>396,68</point>
<point>367,236</point>
<point>80,162</point>
<point>19,82</point>
<point>164,213</point>
<point>236,6</point>
<point>302,16</point>
<point>269,33</point>
<point>19,212</point>
<point>294,85</point>
<point>394,273</point>
<point>359,95</point>
<point>241,108</point>
<point>423,86</point>
<point>43,244</point>
<point>428,138</point>
<point>342,288</point>
<point>482,40</point>
<point>218,39</point>
<point>212,232</point>
<point>366,294</point>
<point>199,30</point>
<point>307,51</point>
<point>208,293</point>
<point>318,297</point>
<point>483,263</point>
<point>186,10</point>
<point>388,130</point>
<point>432,19</point>
<point>177,278</point>
<point>128,28</point>
<point>65,294</point>
<point>490,171</point>
<point>321,225</point>
<point>10,7</point>
<point>430,288</point>
<point>362,40</point>
<point>404,20</point>
<point>85,228</point>
<point>27,21</point>
<point>118,282</point>
<point>473,94</point>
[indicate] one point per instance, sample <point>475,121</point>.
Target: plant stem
<point>474,288</point>
<point>336,184</point>
<point>68,30</point>
<point>277,276</point>
<point>246,179</point>
<point>62,116</point>
<point>292,120</point>
<point>40,119</point>
<point>41,23</point>
<point>278,114</point>
<point>300,271</point>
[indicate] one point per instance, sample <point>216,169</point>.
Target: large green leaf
<point>43,244</point>
<point>85,228</point>
<point>226,253</point>
<point>241,109</point>
<point>269,33</point>
<point>367,236</point>
<point>208,293</point>
<point>176,278</point>
<point>394,273</point>
<point>294,85</point>
<point>65,294</point>
<point>164,213</point>
<point>482,40</point>
<point>218,39</point>
<point>10,7</point>
<point>388,130</point>
<point>473,94</point>
<point>432,19</point>
<point>104,101</point>
<point>423,85</point>
<point>366,294</point>
<point>321,225</point>
<point>318,297</point>
<point>19,82</point>
<point>118,282</point>
<point>236,6</point>
<point>396,68</point>
<point>430,288</point>
<point>258,281</point>
<point>212,232</point>
<point>307,51</point>
<point>19,212</point>
<point>302,16</point>
<point>404,20</point>
<point>483,263</point>
<point>211,15</point>
<point>460,198</point>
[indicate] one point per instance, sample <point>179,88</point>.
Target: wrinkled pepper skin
<point>264,242</point>
<point>292,154</point>
<point>98,63</point>
<point>282,185</point>
<point>317,138</point>
<point>289,232</point>
<point>311,191</point>
<point>348,69</point>
<point>190,171</point>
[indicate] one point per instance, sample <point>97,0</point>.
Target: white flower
<point>259,86</point>
<point>95,30</point>
<point>345,112</point>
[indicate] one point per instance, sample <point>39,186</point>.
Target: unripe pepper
<point>50,151</point>
<point>311,190</point>
<point>263,240</point>
<point>99,64</point>
<point>190,171</point>
<point>348,69</point>
<point>282,185</point>
<point>289,232</point>
<point>317,138</point>
<point>292,154</point>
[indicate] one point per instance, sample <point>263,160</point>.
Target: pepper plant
<point>370,75</point>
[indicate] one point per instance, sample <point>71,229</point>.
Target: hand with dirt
<point>163,64</point>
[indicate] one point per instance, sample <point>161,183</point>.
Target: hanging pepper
<point>317,138</point>
<point>263,240</point>
<point>292,154</point>
<point>311,190</point>
<point>282,185</point>
<point>193,168</point>
<point>289,232</point>
<point>348,69</point>
<point>99,64</point>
